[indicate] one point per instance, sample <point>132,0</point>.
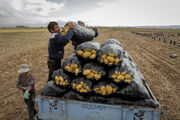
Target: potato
<point>103,92</point>
<point>78,87</point>
<point>80,52</point>
<point>87,88</point>
<point>105,61</point>
<point>97,76</point>
<point>68,68</point>
<point>57,82</point>
<point>56,78</point>
<point>66,82</point>
<point>93,71</point>
<point>123,73</point>
<point>120,77</point>
<point>61,79</point>
<point>90,76</point>
<point>114,89</point>
<point>93,51</point>
<point>127,80</point>
<point>85,91</point>
<point>128,76</point>
<point>65,30</point>
<point>116,60</point>
<point>82,90</point>
<point>76,71</point>
<point>116,73</point>
<point>108,89</point>
<point>73,85</point>
<point>62,83</point>
<point>81,83</point>
<point>110,59</point>
<point>74,66</point>
<point>86,54</point>
<point>114,76</point>
<point>86,72</point>
<point>92,56</point>
<point>103,57</point>
<point>111,54</point>
<point>117,80</point>
<point>96,90</point>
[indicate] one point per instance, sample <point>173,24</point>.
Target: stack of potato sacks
<point>102,73</point>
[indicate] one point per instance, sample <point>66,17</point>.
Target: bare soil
<point>30,46</point>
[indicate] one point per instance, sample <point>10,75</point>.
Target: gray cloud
<point>11,16</point>
<point>32,3</point>
<point>73,7</point>
<point>5,10</point>
<point>38,9</point>
<point>56,1</point>
<point>34,13</point>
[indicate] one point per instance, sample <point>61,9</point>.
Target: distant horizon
<point>109,13</point>
<point>155,26</point>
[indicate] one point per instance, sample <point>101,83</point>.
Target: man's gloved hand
<point>24,88</point>
<point>71,25</point>
<point>26,95</point>
<point>96,31</point>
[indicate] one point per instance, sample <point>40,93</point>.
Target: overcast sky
<point>92,12</point>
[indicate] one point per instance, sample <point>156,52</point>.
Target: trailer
<point>52,108</point>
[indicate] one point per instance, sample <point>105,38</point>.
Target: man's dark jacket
<point>56,44</point>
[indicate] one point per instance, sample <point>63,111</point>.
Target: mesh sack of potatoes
<point>60,78</point>
<point>81,85</point>
<point>140,102</point>
<point>110,55</point>
<point>72,65</point>
<point>88,50</point>
<point>111,41</point>
<point>122,73</point>
<point>73,95</point>
<point>97,98</point>
<point>128,56</point>
<point>105,89</point>
<point>82,34</point>
<point>137,86</point>
<point>93,71</point>
<point>51,89</point>
<point>65,29</point>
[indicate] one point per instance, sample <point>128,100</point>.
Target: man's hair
<point>51,25</point>
<point>81,22</point>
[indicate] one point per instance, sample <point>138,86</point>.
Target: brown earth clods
<point>30,46</point>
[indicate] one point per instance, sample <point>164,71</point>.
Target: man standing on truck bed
<point>26,83</point>
<point>56,45</point>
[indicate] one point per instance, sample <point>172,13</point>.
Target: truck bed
<point>52,108</point>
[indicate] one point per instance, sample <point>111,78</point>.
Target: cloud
<point>43,7</point>
<point>28,12</point>
<point>93,12</point>
<point>34,12</point>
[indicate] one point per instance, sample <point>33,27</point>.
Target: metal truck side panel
<point>59,109</point>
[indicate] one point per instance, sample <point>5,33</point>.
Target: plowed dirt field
<point>29,46</point>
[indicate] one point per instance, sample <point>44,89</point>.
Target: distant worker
<point>26,83</point>
<point>56,45</point>
<point>81,23</point>
<point>95,29</point>
<point>76,43</point>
